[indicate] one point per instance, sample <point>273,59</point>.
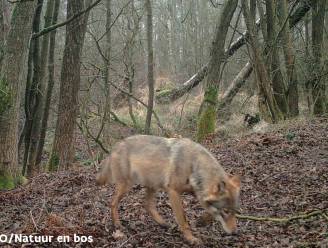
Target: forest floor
<point>284,173</point>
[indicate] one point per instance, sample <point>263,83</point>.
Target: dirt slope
<point>283,173</point>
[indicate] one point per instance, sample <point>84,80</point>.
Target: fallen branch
<point>286,219</point>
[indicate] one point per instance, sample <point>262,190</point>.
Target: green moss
<point>207,114</point>
<point>163,93</point>
<point>6,182</point>
<point>20,180</point>
<point>53,162</point>
<point>5,96</point>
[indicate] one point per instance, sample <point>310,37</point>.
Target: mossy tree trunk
<point>207,115</point>
<point>62,154</point>
<point>12,77</point>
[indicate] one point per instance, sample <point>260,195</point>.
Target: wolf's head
<point>221,199</point>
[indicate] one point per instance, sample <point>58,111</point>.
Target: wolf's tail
<point>104,176</point>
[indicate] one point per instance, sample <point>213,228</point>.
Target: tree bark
<point>268,105</point>
<point>12,77</point>
<point>167,96</point>
<point>50,85</point>
<point>33,102</point>
<point>62,153</point>
<point>279,89</point>
<point>208,110</point>
<point>318,83</point>
<point>292,82</point>
<point>150,76</point>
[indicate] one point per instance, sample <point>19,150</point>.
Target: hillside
<point>284,173</point>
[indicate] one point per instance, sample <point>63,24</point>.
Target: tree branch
<point>286,219</point>
<point>58,25</point>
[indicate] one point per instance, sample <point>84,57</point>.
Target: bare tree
<point>292,82</point>
<point>267,103</point>
<point>62,153</point>
<point>12,77</point>
<point>208,110</point>
<point>317,82</point>
<point>50,84</point>
<point>150,76</point>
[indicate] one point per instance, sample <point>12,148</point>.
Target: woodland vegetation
<point>77,76</point>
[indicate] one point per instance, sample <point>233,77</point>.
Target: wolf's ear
<point>235,180</point>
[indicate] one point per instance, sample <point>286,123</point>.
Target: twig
<point>35,226</point>
<point>165,132</point>
<point>133,236</point>
<point>282,220</point>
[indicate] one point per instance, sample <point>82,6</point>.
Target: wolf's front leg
<point>177,208</point>
<point>121,189</point>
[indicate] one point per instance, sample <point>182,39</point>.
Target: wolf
<point>175,165</point>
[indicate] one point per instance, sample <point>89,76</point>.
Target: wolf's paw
<point>118,234</point>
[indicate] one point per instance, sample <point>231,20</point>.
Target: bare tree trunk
<point>208,110</point>
<point>3,29</point>
<point>292,83</point>
<point>32,83</point>
<point>51,65</point>
<point>12,77</point>
<point>62,153</point>
<point>279,89</point>
<point>128,55</point>
<point>32,169</point>
<point>318,83</point>
<point>150,65</point>
<point>271,110</point>
<point>106,72</point>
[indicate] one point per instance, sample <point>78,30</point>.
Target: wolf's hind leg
<point>177,207</point>
<point>121,189</point>
<point>150,205</point>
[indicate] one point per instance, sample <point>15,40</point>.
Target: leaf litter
<point>284,173</point>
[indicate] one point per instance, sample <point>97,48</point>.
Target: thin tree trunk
<point>40,94</point>
<point>208,110</point>
<point>51,81</point>
<point>62,153</point>
<point>271,110</point>
<point>12,77</point>
<point>150,76</point>
<point>279,89</point>
<point>106,72</point>
<point>292,83</point>
<point>33,82</point>
<point>318,83</point>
